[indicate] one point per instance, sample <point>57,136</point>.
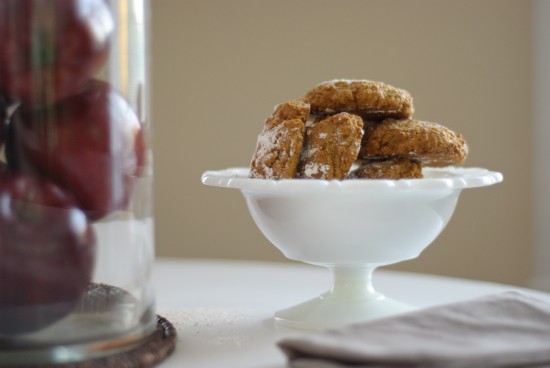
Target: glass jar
<point>76,221</point>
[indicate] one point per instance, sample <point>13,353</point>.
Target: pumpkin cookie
<point>393,168</point>
<point>430,143</point>
<point>330,147</point>
<point>369,99</point>
<point>280,143</point>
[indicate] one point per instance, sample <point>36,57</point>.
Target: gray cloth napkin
<point>510,329</point>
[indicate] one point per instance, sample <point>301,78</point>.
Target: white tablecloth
<point>223,309</point>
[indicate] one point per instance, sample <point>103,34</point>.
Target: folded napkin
<point>510,329</point>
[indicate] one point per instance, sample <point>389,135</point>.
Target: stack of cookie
<point>348,129</point>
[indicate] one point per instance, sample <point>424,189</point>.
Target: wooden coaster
<point>153,350</point>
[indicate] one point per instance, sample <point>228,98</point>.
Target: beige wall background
<point>219,67</point>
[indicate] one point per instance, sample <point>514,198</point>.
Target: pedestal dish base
<point>325,312</point>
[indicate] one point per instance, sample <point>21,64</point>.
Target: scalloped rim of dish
<point>434,178</point>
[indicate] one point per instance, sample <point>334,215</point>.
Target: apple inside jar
<point>47,251</point>
<point>90,144</point>
<point>50,48</point>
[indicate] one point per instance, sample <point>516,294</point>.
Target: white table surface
<point>223,309</point>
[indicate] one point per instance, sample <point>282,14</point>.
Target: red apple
<point>46,253</point>
<point>90,144</point>
<point>50,48</point>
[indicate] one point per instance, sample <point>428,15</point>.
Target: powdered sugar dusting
<point>313,169</point>
<point>266,152</point>
<point>278,149</point>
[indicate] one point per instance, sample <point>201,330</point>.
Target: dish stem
<point>352,298</point>
<point>352,283</point>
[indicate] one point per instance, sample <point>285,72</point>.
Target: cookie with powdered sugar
<point>391,168</point>
<point>330,147</point>
<point>279,145</point>
<point>430,143</point>
<point>368,99</point>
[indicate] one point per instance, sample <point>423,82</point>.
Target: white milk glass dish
<point>351,227</point>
